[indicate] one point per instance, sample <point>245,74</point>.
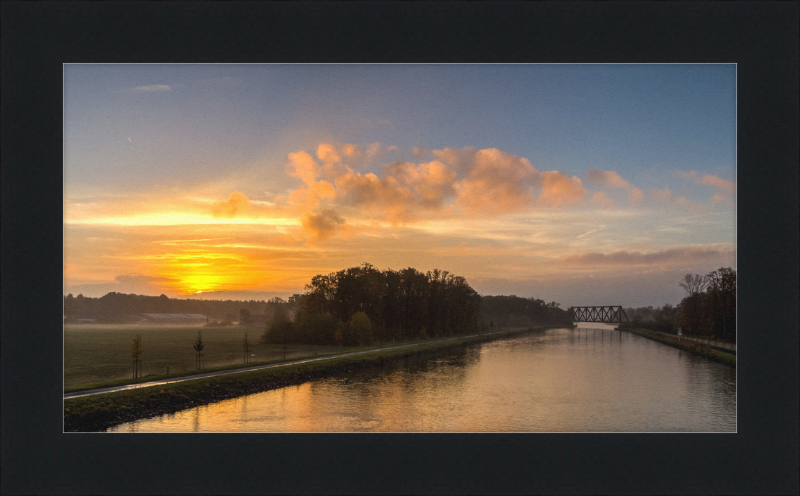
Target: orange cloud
<point>461,159</point>
<point>725,185</point>
<point>635,196</point>
<point>607,178</point>
<point>302,165</point>
<point>559,190</point>
<point>349,150</point>
<point>709,180</point>
<point>432,182</point>
<point>229,208</point>
<point>311,195</point>
<point>601,200</point>
<point>485,182</point>
<point>371,191</point>
<point>323,225</point>
<point>495,184</point>
<point>661,194</point>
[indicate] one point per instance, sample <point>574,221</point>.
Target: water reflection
<point>558,380</point>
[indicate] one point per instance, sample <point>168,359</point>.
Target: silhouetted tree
<point>198,347</point>
<point>136,352</point>
<point>246,348</point>
<point>693,284</point>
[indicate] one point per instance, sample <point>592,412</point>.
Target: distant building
<point>82,318</point>
<point>173,318</point>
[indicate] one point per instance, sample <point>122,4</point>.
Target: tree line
<point>708,309</point>
<point>514,311</point>
<point>362,304</point>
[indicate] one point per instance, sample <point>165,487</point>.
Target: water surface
<point>557,380</point>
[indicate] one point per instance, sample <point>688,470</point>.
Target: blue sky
<point>143,139</point>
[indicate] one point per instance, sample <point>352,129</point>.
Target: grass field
<point>95,353</point>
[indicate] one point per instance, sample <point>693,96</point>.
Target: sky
<point>580,184</point>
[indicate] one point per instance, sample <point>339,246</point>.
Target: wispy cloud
<point>153,87</point>
<point>623,257</point>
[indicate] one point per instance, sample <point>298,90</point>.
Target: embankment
<point>702,349</point>
<point>98,413</point>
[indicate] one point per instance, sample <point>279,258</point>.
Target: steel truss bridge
<point>610,315</point>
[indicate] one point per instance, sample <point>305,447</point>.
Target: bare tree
<point>136,351</point>
<point>694,285</point>
<point>198,347</point>
<point>246,348</point>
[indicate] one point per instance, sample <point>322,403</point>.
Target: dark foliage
<point>513,311</point>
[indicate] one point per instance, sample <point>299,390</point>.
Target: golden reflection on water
<point>561,380</point>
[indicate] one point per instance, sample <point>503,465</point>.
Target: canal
<point>585,379</point>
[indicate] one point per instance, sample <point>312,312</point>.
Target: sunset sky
<point>581,184</point>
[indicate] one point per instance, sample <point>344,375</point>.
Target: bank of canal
<point>702,349</point>
<point>99,412</point>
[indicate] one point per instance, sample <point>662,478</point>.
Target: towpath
<point>91,392</point>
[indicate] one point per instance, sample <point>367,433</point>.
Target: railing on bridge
<point>607,314</point>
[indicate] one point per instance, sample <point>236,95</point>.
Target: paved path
<point>91,392</point>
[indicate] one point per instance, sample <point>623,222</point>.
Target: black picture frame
<point>760,37</point>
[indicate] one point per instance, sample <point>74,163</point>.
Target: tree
<point>361,327</point>
<point>722,302</point>
<point>136,352</point>
<point>694,286</point>
<point>246,348</point>
<point>198,347</point>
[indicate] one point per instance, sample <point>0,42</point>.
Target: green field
<point>95,353</point>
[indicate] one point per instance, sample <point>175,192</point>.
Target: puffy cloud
<point>661,194</point>
<point>709,180</point>
<point>350,150</point>
<point>723,184</point>
<point>371,191</point>
<point>461,159</point>
<point>230,207</point>
<point>311,195</point>
<point>496,184</point>
<point>611,179</point>
<point>601,200</point>
<point>323,225</point>
<point>303,165</point>
<point>485,182</point>
<point>559,190</point>
<point>670,256</point>
<point>718,198</point>
<point>432,182</point>
<point>635,196</point>
<point>327,153</point>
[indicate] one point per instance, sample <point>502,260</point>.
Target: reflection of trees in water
<point>447,369</point>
